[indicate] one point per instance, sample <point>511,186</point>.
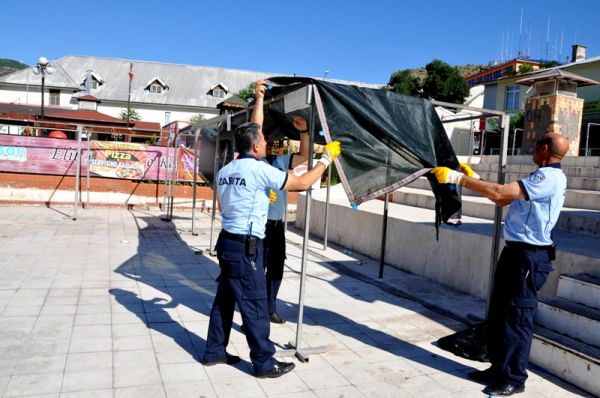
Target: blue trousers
<point>274,260</point>
<point>520,273</point>
<point>242,281</point>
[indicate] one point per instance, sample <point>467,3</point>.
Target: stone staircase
<point>567,335</point>
<point>567,332</point>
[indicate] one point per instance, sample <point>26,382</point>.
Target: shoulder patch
<point>536,177</point>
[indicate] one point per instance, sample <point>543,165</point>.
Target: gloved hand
<point>468,171</point>
<point>444,175</point>
<point>331,151</point>
<point>272,196</point>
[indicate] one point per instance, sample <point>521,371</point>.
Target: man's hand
<point>272,196</point>
<point>300,124</point>
<point>468,171</point>
<point>331,151</point>
<point>444,175</point>
<point>260,89</point>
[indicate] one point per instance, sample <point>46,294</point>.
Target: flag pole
<point>129,93</point>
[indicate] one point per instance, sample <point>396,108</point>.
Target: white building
<point>160,92</point>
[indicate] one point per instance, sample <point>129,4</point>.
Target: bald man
<point>525,262</point>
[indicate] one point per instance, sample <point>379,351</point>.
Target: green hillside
<point>8,66</point>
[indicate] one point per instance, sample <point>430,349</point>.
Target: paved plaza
<point>116,304</point>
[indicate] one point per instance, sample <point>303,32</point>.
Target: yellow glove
<point>331,151</point>
<point>272,196</point>
<point>468,171</point>
<point>444,175</point>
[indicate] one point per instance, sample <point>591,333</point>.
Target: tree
<point>444,83</point>
<point>247,92</point>
<point>525,68</point>
<point>197,118</point>
<point>133,115</point>
<point>404,82</point>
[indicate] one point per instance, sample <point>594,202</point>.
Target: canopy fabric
<point>388,139</point>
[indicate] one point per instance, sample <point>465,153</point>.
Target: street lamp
<point>42,67</point>
<point>325,74</point>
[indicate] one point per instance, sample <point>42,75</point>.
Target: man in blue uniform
<point>274,242</point>
<point>243,188</point>
<point>525,262</point>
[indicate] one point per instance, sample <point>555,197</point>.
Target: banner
<point>40,155</point>
<point>118,160</point>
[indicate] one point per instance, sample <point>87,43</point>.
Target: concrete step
<point>582,183</point>
<point>569,359</point>
<point>569,318</point>
<point>580,288</point>
<point>584,222</point>
<point>576,198</point>
<point>568,161</point>
<point>570,172</point>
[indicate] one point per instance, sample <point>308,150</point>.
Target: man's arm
<point>303,182</point>
<point>500,194</point>
<point>302,156</point>
<point>259,93</point>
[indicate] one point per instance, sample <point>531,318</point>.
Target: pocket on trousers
<point>232,265</point>
<point>540,274</point>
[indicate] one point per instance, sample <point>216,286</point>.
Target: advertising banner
<point>38,155</point>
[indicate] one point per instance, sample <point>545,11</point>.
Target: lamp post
<point>42,67</point>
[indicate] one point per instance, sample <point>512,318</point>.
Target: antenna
<point>520,30</point>
<point>547,37</point>
<point>562,36</point>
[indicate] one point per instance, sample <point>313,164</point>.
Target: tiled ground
<point>116,304</point>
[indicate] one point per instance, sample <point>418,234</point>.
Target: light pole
<point>325,74</point>
<point>42,67</point>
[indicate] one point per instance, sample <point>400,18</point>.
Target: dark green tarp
<point>388,139</point>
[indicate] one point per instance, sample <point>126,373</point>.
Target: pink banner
<point>36,155</point>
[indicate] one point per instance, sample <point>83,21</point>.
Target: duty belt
<point>527,246</point>
<point>274,222</point>
<point>236,237</point>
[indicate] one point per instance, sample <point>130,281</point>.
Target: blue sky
<point>354,40</point>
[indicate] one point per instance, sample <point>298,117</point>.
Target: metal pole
<point>195,181</point>
<point>383,235</point>
<point>214,195</point>
<point>327,207</point>
<point>311,132</point>
<point>498,210</point>
<point>285,213</point>
<point>77,172</point>
<point>87,174</point>
<point>43,70</point>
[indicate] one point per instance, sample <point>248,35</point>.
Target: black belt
<point>527,246</point>
<point>236,237</point>
<point>274,222</point>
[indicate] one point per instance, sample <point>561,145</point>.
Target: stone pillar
<point>555,113</point>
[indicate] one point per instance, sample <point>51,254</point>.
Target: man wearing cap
<point>243,187</point>
<point>525,262</point>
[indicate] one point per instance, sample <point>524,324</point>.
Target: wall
<point>460,259</point>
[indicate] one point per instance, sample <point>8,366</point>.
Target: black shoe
<point>275,318</point>
<point>483,376</point>
<point>504,390</point>
<point>279,369</point>
<point>227,359</point>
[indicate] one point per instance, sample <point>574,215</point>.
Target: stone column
<point>555,113</point>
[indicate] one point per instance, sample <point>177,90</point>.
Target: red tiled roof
<point>86,114</point>
<point>89,98</point>
<point>140,125</point>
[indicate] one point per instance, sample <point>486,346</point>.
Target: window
<point>156,88</point>
<point>513,94</point>
<point>54,97</point>
<point>94,84</point>
<point>218,93</point>
<point>167,118</point>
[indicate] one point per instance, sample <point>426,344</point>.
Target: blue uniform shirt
<point>243,187</point>
<point>531,220</point>
<point>283,163</point>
